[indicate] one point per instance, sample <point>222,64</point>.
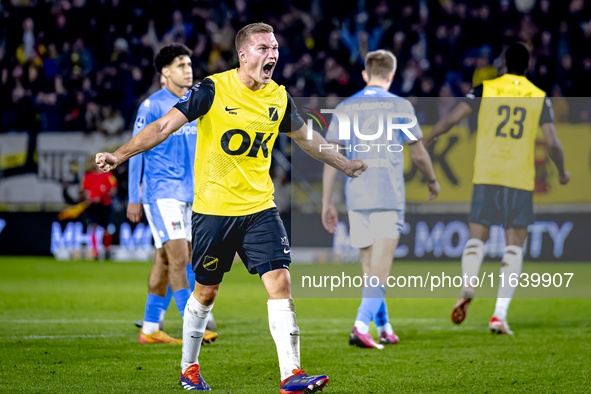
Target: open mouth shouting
<point>268,70</point>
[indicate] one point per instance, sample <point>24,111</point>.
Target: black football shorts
<point>260,240</point>
<point>501,206</point>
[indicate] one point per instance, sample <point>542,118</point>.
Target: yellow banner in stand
<point>453,161</point>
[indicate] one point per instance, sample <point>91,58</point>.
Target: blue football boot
<point>192,379</point>
<point>302,383</point>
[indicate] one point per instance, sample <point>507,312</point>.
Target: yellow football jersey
<point>237,128</point>
<point>510,111</point>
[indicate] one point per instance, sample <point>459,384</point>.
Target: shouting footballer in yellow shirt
<point>240,114</point>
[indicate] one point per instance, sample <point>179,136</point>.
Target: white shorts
<point>369,224</point>
<point>169,219</point>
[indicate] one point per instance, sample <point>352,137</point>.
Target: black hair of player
<point>168,53</point>
<point>517,59</point>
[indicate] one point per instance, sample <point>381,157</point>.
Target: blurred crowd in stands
<point>87,64</point>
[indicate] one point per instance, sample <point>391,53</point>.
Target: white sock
<point>362,328</point>
<point>150,327</point>
<point>387,327</point>
<point>286,334</point>
<point>472,259</point>
<point>193,329</point>
<point>512,264</point>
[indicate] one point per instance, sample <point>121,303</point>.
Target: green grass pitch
<point>66,327</point>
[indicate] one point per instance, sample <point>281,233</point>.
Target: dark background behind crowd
<point>87,64</point>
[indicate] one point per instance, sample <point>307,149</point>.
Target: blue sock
<point>180,299</point>
<point>191,277</point>
<point>154,304</point>
<point>382,317</point>
<point>167,300</point>
<point>367,310</point>
<point>371,301</point>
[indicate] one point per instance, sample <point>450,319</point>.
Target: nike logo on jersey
<point>231,110</point>
<point>286,250</point>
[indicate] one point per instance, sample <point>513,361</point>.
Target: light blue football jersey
<point>166,170</point>
<point>381,186</point>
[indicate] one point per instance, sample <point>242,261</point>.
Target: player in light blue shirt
<point>165,176</point>
<point>380,124</point>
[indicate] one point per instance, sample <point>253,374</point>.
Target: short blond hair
<point>244,34</point>
<point>380,63</point>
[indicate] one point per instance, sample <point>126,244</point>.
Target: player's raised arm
<point>315,145</point>
<point>312,146</point>
<point>461,111</point>
<point>471,103</point>
<point>149,137</point>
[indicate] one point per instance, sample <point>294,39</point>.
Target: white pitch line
<point>66,321</point>
<point>107,321</point>
<point>68,336</point>
<point>392,321</point>
<point>348,320</point>
<point>304,321</point>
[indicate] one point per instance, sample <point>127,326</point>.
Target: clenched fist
<point>355,168</point>
<point>106,161</point>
